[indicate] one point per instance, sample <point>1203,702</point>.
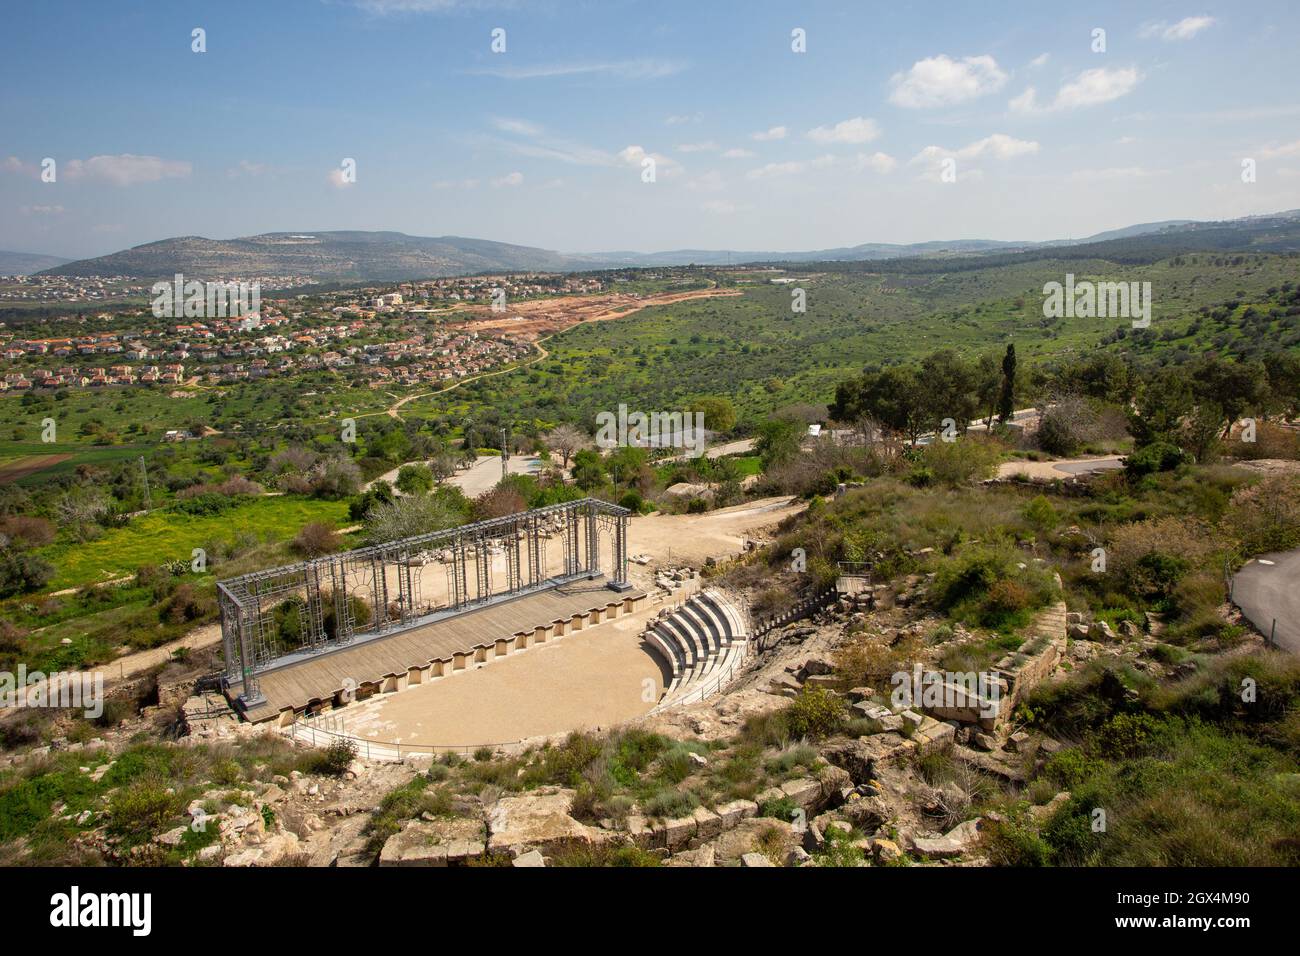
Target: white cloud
<point>517,126</point>
<point>338,180</point>
<point>1286,149</point>
<point>790,168</point>
<point>509,179</point>
<point>1184,29</point>
<point>1040,60</point>
<point>942,81</point>
<point>738,153</point>
<point>856,130</point>
<point>876,162</point>
<point>683,119</point>
<point>664,165</point>
<point>126,169</point>
<point>776,132</point>
<point>42,210</point>
<point>707,146</point>
<point>997,146</point>
<point>1089,88</point>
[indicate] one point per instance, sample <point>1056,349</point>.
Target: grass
<point>167,536</point>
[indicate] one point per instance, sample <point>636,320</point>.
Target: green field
<point>167,536</point>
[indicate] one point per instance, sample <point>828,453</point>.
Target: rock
<point>755,859</point>
<point>1128,629</point>
<point>210,852</point>
<point>1101,631</point>
<point>797,857</point>
<point>885,851</point>
<point>707,825</point>
<point>1018,742</point>
<point>804,791</point>
<point>954,843</point>
<point>537,820</point>
<point>816,666</point>
<point>732,813</point>
<point>698,759</point>
<point>912,717</point>
<point>873,711</point>
<point>1078,632</point>
<point>1048,809</point>
<point>531,858</point>
<point>675,834</point>
<point>171,837</point>
<point>862,693</point>
<point>441,843</point>
<point>701,856</point>
<point>985,741</point>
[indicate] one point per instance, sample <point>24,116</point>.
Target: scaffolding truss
<point>283,615</point>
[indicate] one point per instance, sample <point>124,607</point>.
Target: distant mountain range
<point>393,256</point>
<point>26,263</point>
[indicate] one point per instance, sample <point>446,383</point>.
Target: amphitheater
<point>497,634</point>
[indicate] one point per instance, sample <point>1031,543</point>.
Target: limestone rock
<point>538,820</point>
<point>439,843</point>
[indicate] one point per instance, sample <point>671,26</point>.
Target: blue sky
<point>755,146</point>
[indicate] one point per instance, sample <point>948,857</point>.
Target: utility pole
<point>505,452</point>
<point>144,473</point>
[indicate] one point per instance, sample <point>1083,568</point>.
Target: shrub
<point>315,539</point>
<point>816,712</point>
<point>1040,513</point>
<point>1157,456</point>
<point>334,760</point>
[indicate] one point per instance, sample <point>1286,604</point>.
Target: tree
<point>414,479</point>
<point>951,386</point>
<point>409,516</point>
<point>1007,397</point>
<point>719,413</point>
<point>336,477</point>
<point>1233,387</point>
<point>566,440</point>
<point>778,441</point>
<point>988,386</point>
<point>588,469</point>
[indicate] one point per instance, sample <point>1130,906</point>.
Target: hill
<point>329,256</point>
<point>27,263</point>
<point>356,256</point>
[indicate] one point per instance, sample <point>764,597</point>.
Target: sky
<point>647,126</point>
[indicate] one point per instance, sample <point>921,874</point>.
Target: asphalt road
<point>1267,589</point>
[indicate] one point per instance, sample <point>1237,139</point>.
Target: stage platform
<point>391,662</point>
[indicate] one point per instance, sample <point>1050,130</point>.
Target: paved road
<point>1268,589</point>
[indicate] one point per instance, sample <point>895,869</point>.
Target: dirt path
<point>1064,468</point>
<point>689,539</point>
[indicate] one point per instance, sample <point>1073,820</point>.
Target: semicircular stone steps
<point>704,642</point>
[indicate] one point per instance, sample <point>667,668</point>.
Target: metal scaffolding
<point>282,615</point>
